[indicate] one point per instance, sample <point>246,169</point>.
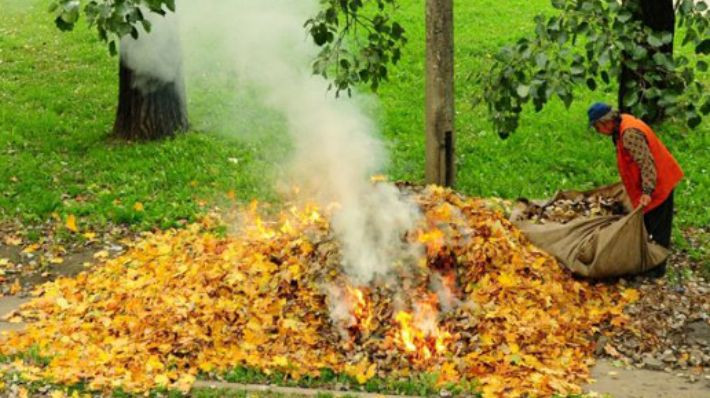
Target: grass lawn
<point>58,95</point>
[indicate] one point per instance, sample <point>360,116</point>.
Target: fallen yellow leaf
<point>71,223</point>
<point>138,206</point>
<point>630,294</point>
<point>57,394</point>
<point>162,380</point>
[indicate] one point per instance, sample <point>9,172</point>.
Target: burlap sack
<point>598,247</point>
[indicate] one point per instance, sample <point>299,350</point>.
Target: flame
<point>361,308</point>
<point>416,332</point>
<point>419,333</point>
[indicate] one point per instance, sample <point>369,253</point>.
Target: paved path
<point>641,383</point>
<point>7,305</point>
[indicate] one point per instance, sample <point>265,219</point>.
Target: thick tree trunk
<point>149,108</point>
<point>440,137</point>
<point>658,15</point>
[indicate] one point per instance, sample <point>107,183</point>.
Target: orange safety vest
<point>668,172</point>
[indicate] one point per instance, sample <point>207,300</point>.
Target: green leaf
<point>705,108</point>
<point>654,40</point>
<point>639,53</point>
<point>577,70</point>
<point>702,66</point>
<point>63,25</point>
<point>558,4</point>
<point>592,84</point>
<point>541,60</point>
<point>523,91</point>
<point>605,77</point>
<point>624,16</point>
<point>703,47</point>
<point>667,37</point>
<point>631,99</point>
<point>693,119</point>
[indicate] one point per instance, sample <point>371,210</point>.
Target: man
<point>647,169</point>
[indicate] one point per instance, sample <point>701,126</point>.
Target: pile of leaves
<point>183,303</point>
<point>564,210</point>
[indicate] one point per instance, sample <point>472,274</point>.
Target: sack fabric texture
<point>598,247</point>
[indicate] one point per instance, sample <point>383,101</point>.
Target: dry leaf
<point>71,223</point>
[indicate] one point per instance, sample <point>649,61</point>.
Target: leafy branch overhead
<point>588,42</point>
<point>113,19</point>
<point>359,39</point>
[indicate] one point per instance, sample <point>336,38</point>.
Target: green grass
<point>58,95</point>
<point>416,385</point>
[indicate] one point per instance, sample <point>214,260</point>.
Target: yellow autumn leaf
<point>13,240</point>
<point>185,383</point>
<point>154,364</point>
<point>514,348</point>
<point>630,295</point>
<point>62,303</point>
<point>57,394</point>
<point>102,254</point>
<point>506,279</point>
<point>31,248</point>
<point>280,360</point>
<point>15,287</point>
<point>205,366</point>
<point>363,378</point>
<point>71,223</point>
<point>162,380</point>
<point>138,206</point>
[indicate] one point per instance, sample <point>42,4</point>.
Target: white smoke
<point>264,43</point>
<point>264,46</point>
<point>156,57</point>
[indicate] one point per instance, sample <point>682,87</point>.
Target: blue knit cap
<point>597,111</point>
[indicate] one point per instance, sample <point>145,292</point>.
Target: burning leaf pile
<point>479,303</point>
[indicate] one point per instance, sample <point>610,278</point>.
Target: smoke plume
<point>264,45</point>
<point>335,147</point>
<point>156,57</point>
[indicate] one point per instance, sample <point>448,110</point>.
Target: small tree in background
<point>588,42</point>
<point>150,106</point>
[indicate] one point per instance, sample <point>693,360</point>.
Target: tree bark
<point>149,108</point>
<point>658,15</point>
<point>440,135</point>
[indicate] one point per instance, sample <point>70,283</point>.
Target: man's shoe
<point>656,272</point>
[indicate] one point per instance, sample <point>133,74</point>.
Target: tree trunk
<point>149,108</point>
<point>658,15</point>
<point>440,137</point>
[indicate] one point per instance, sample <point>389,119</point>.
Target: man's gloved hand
<point>645,200</point>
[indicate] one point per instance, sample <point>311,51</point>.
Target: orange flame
<point>419,333</point>
<point>361,308</point>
